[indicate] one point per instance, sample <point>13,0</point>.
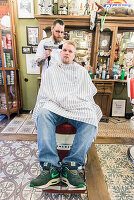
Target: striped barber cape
<point>67,90</point>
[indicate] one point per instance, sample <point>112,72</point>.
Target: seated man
<point>65,95</point>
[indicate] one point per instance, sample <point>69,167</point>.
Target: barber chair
<point>64,137</point>
<point>130,86</point>
<point>65,134</point>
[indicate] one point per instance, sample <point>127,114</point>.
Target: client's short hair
<point>70,42</point>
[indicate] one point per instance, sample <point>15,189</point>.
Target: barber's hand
<point>48,53</point>
<point>41,61</point>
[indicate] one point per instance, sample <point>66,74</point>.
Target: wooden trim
<point>18,137</point>
<point>100,80</point>
<point>114,140</point>
<point>96,186</point>
<point>107,81</point>
<point>118,21</point>
<point>99,140</point>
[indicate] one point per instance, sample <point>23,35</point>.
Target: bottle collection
<point>9,78</point>
<point>7,49</point>
<point>118,72</point>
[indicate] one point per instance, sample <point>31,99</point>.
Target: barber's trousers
<point>46,124</point>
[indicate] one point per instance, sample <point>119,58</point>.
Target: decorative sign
<point>112,3</point>
<point>4,9</point>
<point>118,107</point>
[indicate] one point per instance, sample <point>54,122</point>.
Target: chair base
<point>63,188</point>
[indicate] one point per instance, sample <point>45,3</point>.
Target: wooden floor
<point>96,186</point>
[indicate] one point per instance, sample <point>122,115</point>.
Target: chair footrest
<point>63,188</point>
<point>64,191</point>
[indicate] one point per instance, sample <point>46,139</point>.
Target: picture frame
<point>31,64</point>
<point>118,108</point>
<point>32,35</point>
<point>34,49</point>
<point>26,50</point>
<point>25,8</point>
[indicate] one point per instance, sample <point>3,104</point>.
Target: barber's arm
<point>42,54</point>
<point>40,61</point>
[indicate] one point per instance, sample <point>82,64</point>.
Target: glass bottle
<point>103,74</point>
<point>107,74</point>
<point>97,73</point>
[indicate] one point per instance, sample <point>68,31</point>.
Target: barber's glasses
<point>62,32</point>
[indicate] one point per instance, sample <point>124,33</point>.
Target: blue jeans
<point>46,124</point>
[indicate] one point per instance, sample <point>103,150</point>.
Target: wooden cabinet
<point>104,96</point>
<point>10,89</point>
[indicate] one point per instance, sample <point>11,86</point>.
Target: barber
<point>47,57</point>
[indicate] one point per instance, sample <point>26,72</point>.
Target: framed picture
<point>34,49</point>
<point>118,108</point>
<point>26,50</point>
<point>32,35</point>
<point>31,64</point>
<point>25,8</point>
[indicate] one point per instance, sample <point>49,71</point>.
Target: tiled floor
<point>21,125</point>
<point>18,165</point>
<point>118,170</point>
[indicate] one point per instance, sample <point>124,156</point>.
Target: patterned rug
<point>21,125</point>
<point>117,169</point>
<point>18,165</point>
<point>116,127</point>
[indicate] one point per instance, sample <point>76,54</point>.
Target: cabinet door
<point>103,97</point>
<point>103,100</point>
<point>8,91</point>
<point>105,50</point>
<point>10,88</point>
<point>7,52</point>
<point>2,91</point>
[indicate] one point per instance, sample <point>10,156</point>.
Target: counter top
<point>102,80</point>
<point>109,80</point>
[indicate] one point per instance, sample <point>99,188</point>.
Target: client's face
<point>67,53</point>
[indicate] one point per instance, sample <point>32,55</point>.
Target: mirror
<point>83,42</point>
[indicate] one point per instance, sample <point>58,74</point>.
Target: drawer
<point>108,88</point>
<point>100,87</point>
<point>104,87</point>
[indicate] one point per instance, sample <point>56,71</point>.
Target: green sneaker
<point>71,177</point>
<point>49,176</point>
